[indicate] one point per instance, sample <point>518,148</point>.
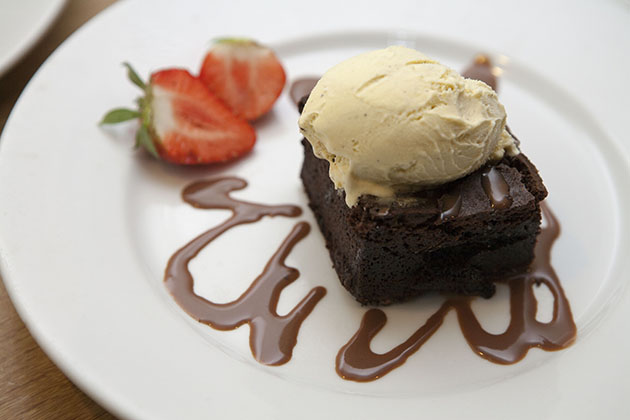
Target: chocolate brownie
<point>387,252</point>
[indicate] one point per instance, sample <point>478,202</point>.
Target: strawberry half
<point>183,122</point>
<point>247,76</point>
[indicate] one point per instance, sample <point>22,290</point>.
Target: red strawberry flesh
<point>192,126</point>
<point>246,76</point>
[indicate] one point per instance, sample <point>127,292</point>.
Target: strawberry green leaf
<point>235,40</point>
<point>119,115</point>
<point>143,139</point>
<point>133,76</point>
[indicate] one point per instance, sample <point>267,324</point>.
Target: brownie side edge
<point>385,254</point>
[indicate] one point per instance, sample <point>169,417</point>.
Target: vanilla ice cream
<point>394,120</point>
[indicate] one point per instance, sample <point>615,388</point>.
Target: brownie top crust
<point>524,184</point>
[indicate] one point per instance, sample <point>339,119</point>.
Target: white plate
<point>87,226</point>
<point>22,23</point>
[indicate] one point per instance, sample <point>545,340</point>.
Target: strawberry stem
<point>118,115</point>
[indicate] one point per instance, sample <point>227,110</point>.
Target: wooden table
<point>31,386</point>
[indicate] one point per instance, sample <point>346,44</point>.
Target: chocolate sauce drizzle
<point>300,89</point>
<point>494,185</point>
<point>450,204</point>
<point>492,180</point>
<point>272,337</point>
<point>357,362</point>
<point>496,188</point>
<point>481,69</point>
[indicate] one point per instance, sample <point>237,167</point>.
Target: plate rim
<point>36,33</point>
<point>65,365</point>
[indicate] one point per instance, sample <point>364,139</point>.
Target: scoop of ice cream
<point>394,120</point>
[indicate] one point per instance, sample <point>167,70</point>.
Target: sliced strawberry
<point>190,125</point>
<point>247,76</point>
<point>183,122</point>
